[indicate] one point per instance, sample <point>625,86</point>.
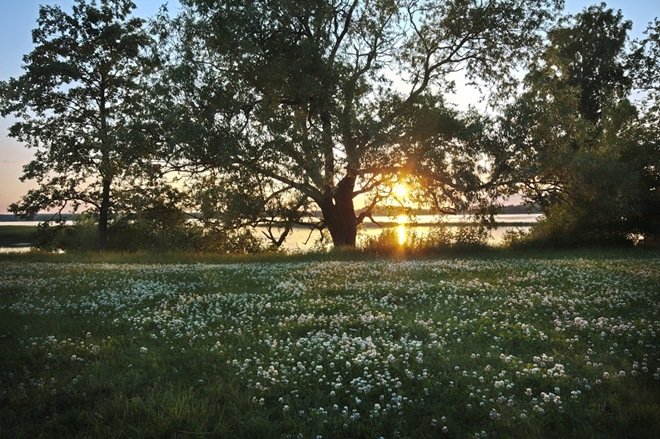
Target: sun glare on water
<point>401,193</point>
<point>401,232</point>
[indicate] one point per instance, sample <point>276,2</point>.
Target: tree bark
<point>103,216</point>
<point>339,214</point>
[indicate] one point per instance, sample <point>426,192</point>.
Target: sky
<point>18,18</point>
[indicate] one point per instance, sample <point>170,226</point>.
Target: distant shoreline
<point>367,224</point>
<point>379,212</point>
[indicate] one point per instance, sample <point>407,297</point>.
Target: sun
<point>400,191</point>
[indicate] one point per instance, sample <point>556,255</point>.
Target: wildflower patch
<point>442,348</point>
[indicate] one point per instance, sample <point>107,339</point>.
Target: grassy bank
<point>491,346</point>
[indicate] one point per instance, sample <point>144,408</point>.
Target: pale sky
<point>18,18</point>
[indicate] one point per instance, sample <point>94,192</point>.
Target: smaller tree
<point>79,104</point>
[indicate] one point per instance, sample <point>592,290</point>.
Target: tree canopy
<point>313,103</point>
<point>578,145</point>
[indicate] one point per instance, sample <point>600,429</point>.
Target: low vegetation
<point>493,346</point>
<point>17,235</point>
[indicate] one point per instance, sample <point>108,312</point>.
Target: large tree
<point>79,105</point>
<point>309,104</point>
<point>577,143</point>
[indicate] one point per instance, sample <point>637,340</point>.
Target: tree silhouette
<point>79,106</point>
<point>299,105</point>
<point>578,145</point>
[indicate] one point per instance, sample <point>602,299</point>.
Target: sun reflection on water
<point>401,229</point>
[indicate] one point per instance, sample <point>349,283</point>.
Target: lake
<point>299,239</point>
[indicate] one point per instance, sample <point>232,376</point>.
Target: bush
<point>563,228</point>
<point>81,236</point>
<point>220,240</point>
<point>144,234</point>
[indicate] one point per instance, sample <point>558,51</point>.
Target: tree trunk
<point>339,214</point>
<point>105,175</point>
<point>103,216</point>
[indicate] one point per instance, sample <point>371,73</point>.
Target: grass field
<point>562,346</point>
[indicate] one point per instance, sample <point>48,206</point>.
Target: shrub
<point>564,228</point>
<point>146,234</point>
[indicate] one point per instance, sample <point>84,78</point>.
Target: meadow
<point>456,347</point>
